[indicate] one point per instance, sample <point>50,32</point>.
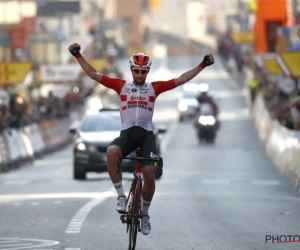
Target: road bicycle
<point>134,200</point>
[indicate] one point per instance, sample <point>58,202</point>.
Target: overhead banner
<point>59,73</point>
<point>242,37</point>
<point>14,72</point>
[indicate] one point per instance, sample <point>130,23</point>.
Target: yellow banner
<point>272,66</point>
<point>14,72</point>
<point>292,62</point>
<point>253,5</point>
<point>155,4</point>
<point>242,37</point>
<point>98,64</point>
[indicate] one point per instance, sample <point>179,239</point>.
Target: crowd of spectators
<point>21,112</point>
<point>281,94</point>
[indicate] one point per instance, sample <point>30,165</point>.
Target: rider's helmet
<point>140,60</point>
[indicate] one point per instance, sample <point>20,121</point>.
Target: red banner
<point>29,24</point>
<point>17,37</point>
<point>18,34</point>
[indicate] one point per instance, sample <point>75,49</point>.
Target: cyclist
<point>137,103</point>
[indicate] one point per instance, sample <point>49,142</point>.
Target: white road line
<point>72,248</point>
<point>168,182</point>
<point>58,202</point>
<point>17,204</point>
<point>216,181</point>
<point>25,243</point>
<point>168,136</point>
<point>34,203</point>
<point>15,182</point>
<point>16,245</point>
<point>63,181</point>
<point>265,182</point>
<point>79,218</point>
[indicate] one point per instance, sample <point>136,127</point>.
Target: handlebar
<point>159,161</point>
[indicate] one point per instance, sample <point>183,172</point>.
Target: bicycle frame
<point>133,215</point>
<point>130,198</point>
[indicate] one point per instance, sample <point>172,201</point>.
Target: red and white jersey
<point>137,102</point>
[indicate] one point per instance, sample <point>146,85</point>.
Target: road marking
<point>15,197</point>
<point>34,203</point>
<point>16,243</point>
<point>17,204</point>
<point>62,181</point>
<point>15,182</point>
<point>167,181</point>
<point>72,248</point>
<point>79,218</point>
<point>243,114</point>
<point>58,202</point>
<point>216,181</point>
<point>167,138</point>
<point>265,182</point>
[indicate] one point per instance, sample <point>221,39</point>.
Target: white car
<point>187,101</point>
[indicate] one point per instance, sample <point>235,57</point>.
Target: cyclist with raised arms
<point>137,104</point>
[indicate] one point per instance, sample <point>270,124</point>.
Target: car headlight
<point>182,107</point>
<point>85,147</point>
<point>207,120</point>
<point>81,146</point>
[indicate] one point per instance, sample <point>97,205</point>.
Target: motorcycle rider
<point>203,98</point>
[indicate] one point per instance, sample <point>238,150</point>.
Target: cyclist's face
<point>139,75</point>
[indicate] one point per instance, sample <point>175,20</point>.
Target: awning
<point>272,66</point>
<point>290,63</point>
<point>270,63</point>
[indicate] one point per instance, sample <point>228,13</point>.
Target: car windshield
<point>101,123</point>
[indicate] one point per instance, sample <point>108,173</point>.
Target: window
<point>127,23</point>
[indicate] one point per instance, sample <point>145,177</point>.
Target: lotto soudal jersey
<point>137,102</point>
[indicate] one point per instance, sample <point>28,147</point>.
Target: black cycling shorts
<point>137,137</point>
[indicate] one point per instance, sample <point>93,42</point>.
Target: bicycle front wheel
<point>134,225</point>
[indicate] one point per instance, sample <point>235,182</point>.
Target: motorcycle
<point>206,124</point>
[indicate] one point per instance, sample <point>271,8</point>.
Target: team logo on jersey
<point>138,102</point>
<point>134,90</point>
<point>137,98</point>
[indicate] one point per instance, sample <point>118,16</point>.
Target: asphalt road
<point>223,196</point>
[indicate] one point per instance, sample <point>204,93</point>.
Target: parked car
<point>92,136</point>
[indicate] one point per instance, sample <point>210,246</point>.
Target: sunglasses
<point>142,71</point>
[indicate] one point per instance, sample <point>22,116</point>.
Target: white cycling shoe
<point>121,205</point>
<point>145,225</point>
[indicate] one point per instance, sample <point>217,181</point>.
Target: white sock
<point>119,188</point>
<point>146,205</point>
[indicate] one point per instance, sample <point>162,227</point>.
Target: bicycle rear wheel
<point>134,224</point>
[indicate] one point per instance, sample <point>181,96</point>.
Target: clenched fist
<point>208,60</point>
<point>74,49</point>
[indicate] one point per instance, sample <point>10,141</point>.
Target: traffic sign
<point>14,72</point>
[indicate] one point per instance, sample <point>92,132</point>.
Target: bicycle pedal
<point>122,218</point>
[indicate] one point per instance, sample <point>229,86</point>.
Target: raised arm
<point>189,75</point>
<point>113,83</point>
<point>87,68</point>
